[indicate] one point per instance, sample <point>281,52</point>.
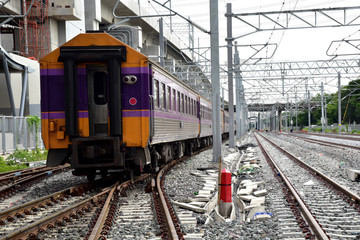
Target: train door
<point>97,78</point>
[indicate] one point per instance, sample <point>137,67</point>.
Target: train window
<point>182,103</point>
<point>100,88</point>
<point>195,105</point>
<point>168,98</point>
<point>174,100</point>
<point>179,103</point>
<point>189,104</point>
<point>162,95</point>
<point>156,93</point>
<point>186,105</point>
<point>192,108</point>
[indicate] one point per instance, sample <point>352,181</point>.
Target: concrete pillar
<point>92,14</point>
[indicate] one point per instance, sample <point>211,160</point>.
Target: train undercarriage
<point>101,155</point>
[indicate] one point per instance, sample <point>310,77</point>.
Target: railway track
<point>330,210</point>
<point>325,143</point>
<point>27,177</point>
<point>134,212</point>
<point>89,212</point>
<point>332,135</point>
<point>34,218</point>
<point>141,214</point>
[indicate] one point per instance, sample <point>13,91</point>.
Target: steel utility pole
<point>322,108</point>
<point>238,83</point>
<point>286,113</point>
<point>339,101</point>
<point>325,112</point>
<point>215,80</point>
<point>161,43</point>
<point>296,111</point>
<point>309,108</point>
<point>229,41</point>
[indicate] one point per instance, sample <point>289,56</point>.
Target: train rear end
<point>94,113</point>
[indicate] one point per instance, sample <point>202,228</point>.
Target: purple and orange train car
<point>106,106</point>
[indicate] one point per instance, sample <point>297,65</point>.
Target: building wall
<point>33,93</point>
<point>95,15</point>
<point>32,102</point>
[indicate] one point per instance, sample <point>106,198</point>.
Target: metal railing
<point>16,133</point>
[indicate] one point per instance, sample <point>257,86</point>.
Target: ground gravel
<point>181,185</point>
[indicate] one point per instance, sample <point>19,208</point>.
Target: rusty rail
<point>311,220</point>
<point>326,143</point>
<point>101,227</point>
<point>4,193</point>
<point>35,229</point>
<point>354,197</point>
<point>11,176</point>
<point>11,214</point>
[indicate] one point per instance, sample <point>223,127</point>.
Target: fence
<point>16,133</point>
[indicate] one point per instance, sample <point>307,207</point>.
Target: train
<point>106,106</point>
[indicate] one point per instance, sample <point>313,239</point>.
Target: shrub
<point>6,166</point>
<point>27,156</point>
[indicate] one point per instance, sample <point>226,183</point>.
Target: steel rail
<point>329,143</point>
<point>14,173</point>
<point>31,231</point>
<point>100,228</point>
<point>343,136</point>
<point>354,197</point>
<point>169,221</point>
<point>28,179</point>
<point>311,220</point>
<point>11,213</point>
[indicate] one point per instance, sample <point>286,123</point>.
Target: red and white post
<point>225,205</point>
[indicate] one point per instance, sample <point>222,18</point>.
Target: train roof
<point>159,67</point>
<point>99,39</point>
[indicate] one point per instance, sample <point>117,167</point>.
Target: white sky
<point>293,45</point>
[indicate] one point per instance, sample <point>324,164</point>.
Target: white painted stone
<point>249,207</point>
<point>199,199</point>
<point>353,174</point>
<point>197,174</point>
<point>198,204</point>
<point>250,185</point>
<point>253,211</point>
<point>261,193</point>
<point>262,217</point>
<point>220,218</point>
<point>245,191</point>
<point>190,207</point>
<point>210,206</point>
<point>245,181</point>
<point>308,183</point>
<point>255,165</point>
<point>203,196</point>
<point>211,189</point>
<point>204,192</point>
<point>260,200</point>
<point>246,197</point>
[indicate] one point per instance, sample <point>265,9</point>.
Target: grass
<point>27,156</point>
<point>13,161</point>
<point>6,166</point>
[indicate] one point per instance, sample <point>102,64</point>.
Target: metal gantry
<point>299,19</point>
